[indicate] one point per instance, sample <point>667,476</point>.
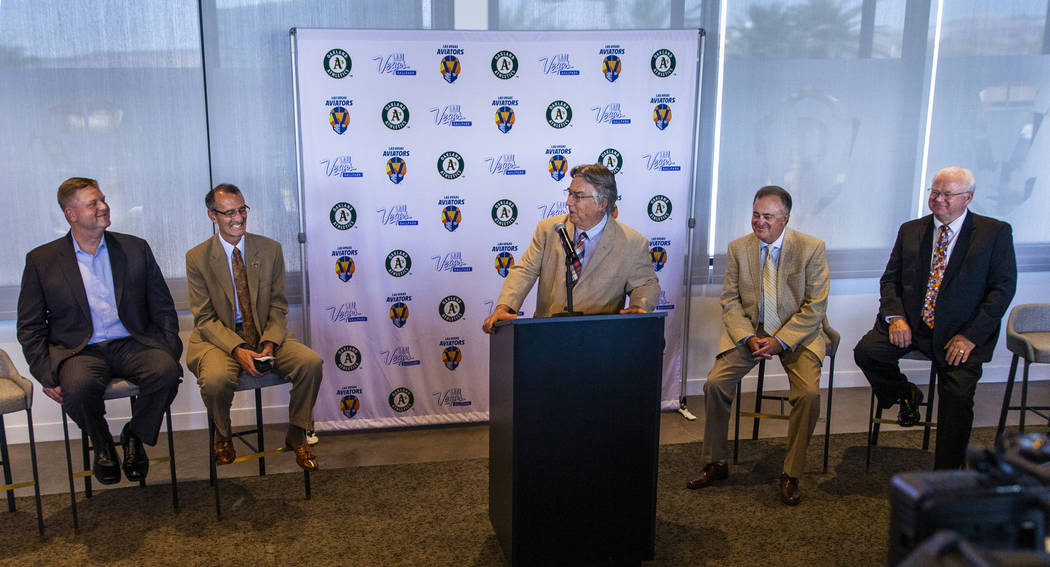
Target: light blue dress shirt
<point>97,274</point>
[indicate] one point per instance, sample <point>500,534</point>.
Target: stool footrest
<point>885,421</point>
<point>16,485</point>
<point>260,455</point>
<point>772,416</point>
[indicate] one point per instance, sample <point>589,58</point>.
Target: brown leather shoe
<point>718,470</point>
<point>789,492</point>
<point>224,451</point>
<point>304,457</point>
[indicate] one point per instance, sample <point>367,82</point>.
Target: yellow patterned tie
<point>771,320</point>
<point>940,260</point>
<point>244,299</point>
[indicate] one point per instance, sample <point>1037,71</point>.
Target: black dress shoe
<point>789,492</point>
<point>718,470</point>
<point>107,465</point>
<point>908,416</point>
<point>136,462</point>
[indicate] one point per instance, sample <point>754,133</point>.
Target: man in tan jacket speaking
<point>613,258</point>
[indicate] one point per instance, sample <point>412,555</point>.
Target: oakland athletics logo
<point>395,115</point>
<point>659,208</point>
<point>342,216</point>
<point>401,400</point>
<point>452,308</point>
<point>451,357</point>
<point>450,165</point>
<point>398,263</point>
<point>662,63</point>
<point>611,159</point>
<point>504,212</point>
<point>559,114</point>
<point>504,64</point>
<point>348,358</point>
<point>503,262</point>
<point>337,63</point>
<point>399,314</point>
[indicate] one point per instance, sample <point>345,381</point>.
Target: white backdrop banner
<point>428,157</point>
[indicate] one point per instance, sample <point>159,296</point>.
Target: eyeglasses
<point>945,194</point>
<point>243,209</point>
<point>577,197</point>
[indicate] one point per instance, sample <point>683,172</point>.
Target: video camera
<point>1001,503</point>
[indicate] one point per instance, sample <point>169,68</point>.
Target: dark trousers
<point>879,359</point>
<point>84,377</point>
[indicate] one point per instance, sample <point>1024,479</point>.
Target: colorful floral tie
<point>940,260</point>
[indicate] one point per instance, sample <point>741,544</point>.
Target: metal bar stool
<point>248,382</point>
<point>117,388</point>
<point>16,394</point>
<point>833,338</point>
<point>875,412</point>
<point>1027,337</point>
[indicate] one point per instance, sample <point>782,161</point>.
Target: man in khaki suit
<point>614,258</point>
<point>236,283</point>
<point>773,303</point>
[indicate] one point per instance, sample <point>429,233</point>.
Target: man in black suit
<point>949,280</point>
<point>94,305</point>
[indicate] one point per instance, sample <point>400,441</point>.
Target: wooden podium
<point>574,410</point>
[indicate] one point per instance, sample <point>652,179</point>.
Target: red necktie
<point>577,265</point>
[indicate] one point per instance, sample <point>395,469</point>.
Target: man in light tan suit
<point>614,258</point>
<point>236,283</point>
<point>773,301</point>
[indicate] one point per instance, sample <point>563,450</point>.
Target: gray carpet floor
<point>436,514</point>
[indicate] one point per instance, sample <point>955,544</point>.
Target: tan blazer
<point>802,292</point>
<point>211,295</point>
<point>618,268</point>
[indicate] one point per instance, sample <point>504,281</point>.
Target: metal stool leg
<point>36,474</point>
<point>827,416</point>
<point>736,425</point>
<point>1007,397</point>
<point>171,462</point>
<point>259,430</point>
<point>6,465</point>
<point>930,399</point>
<point>69,469</point>
<point>874,414</point>
<point>212,472</point>
<point>86,449</point>
<point>758,398</point>
<point>1024,394</point>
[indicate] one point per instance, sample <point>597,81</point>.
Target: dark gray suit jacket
<point>54,320</point>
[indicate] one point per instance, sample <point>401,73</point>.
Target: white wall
<point>851,311</point>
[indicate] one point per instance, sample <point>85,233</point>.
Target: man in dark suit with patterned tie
<point>236,287</point>
<point>94,305</point>
<point>949,280</point>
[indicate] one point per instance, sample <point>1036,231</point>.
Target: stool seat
<point>1033,346</point>
<point>248,382</point>
<point>120,388</point>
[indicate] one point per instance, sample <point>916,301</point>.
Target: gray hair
<point>603,181</point>
<point>960,171</point>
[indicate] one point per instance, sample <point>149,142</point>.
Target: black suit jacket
<point>978,284</point>
<point>54,320</point>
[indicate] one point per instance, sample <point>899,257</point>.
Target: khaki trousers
<point>803,370</point>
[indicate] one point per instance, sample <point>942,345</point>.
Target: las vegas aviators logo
<point>451,357</point>
<point>399,314</point>
<point>557,166</point>
<point>344,268</point>
<point>349,405</point>
<point>612,66</point>
<point>503,262</point>
<point>504,118</point>
<point>658,255</point>
<point>661,116</point>
<point>451,217</point>
<point>396,168</point>
<point>450,68</point>
<point>339,118</point>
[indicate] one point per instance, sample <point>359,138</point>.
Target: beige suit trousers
<point>803,370</point>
